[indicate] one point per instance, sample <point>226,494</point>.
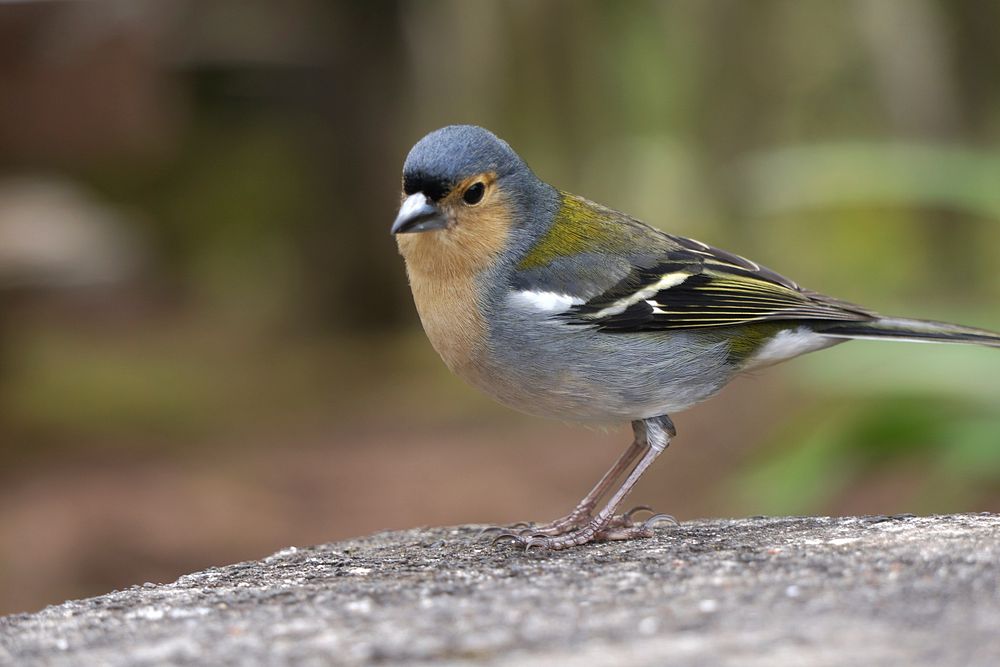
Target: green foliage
<point>932,416</point>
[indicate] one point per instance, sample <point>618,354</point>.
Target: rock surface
<point>762,591</point>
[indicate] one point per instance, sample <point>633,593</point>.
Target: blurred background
<point>208,349</point>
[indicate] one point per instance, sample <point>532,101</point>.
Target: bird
<point>560,307</point>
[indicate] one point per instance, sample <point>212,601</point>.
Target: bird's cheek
<point>455,224</point>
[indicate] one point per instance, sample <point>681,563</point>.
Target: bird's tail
<point>922,331</point>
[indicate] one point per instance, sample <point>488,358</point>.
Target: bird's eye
<point>474,193</point>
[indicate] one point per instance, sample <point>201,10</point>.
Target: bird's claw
<point>660,518</point>
<point>541,541</point>
<point>627,516</point>
<point>544,542</point>
<point>627,519</point>
<point>523,539</point>
<point>505,535</point>
<point>519,526</point>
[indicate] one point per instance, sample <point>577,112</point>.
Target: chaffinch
<point>560,307</point>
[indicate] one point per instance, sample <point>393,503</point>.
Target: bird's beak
<point>417,214</point>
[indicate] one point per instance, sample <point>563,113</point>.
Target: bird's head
<point>465,195</point>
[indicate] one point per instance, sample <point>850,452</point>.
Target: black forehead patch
<point>434,187</point>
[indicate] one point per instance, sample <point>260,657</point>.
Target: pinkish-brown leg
<point>580,526</point>
<point>584,510</point>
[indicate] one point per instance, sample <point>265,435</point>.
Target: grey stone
<point>761,591</point>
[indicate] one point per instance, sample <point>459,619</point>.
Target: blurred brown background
<point>207,346</point>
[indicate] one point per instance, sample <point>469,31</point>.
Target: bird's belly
<point>558,370</point>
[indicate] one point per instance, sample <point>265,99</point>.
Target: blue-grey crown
<point>447,156</point>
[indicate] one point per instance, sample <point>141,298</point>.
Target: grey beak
<point>417,214</point>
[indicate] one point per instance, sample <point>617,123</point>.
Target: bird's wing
<point>693,285</point>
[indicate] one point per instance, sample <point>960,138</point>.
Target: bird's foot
<point>575,520</point>
<point>577,530</point>
<point>578,518</point>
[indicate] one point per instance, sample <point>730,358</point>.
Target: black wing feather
<point>707,287</point>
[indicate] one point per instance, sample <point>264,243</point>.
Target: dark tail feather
<point>923,331</point>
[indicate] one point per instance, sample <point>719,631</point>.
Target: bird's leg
<point>584,510</point>
<point>655,436</point>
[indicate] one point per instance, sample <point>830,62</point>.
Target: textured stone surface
<point>870,590</point>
